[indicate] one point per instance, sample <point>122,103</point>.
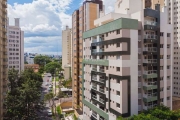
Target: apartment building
<point>3,54</point>
<point>66,47</point>
<point>127,61</point>
<point>82,20</point>
<point>173,17</point>
<point>15,46</point>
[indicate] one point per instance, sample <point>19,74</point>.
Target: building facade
<point>3,55</point>
<point>173,12</point>
<point>82,20</point>
<point>66,47</point>
<point>127,61</point>
<point>15,47</point>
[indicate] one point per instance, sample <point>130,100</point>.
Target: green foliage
<point>67,83</point>
<point>42,60</point>
<point>23,98</point>
<point>51,67</point>
<point>41,70</point>
<point>59,110</point>
<point>74,117</point>
<point>156,113</point>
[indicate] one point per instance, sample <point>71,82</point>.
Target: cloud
<point>42,22</point>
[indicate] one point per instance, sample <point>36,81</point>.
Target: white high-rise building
<point>15,46</point>
<point>174,19</point>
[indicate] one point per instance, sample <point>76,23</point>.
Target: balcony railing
<point>150,61</point>
<point>139,84</point>
<point>101,70</point>
<point>101,90</point>
<point>94,50</point>
<point>101,100</point>
<point>150,83</point>
<point>94,96</point>
<point>101,50</point>
<point>149,95</point>
<point>94,41</point>
<point>94,87</point>
<point>94,115</point>
<point>101,39</point>
<point>139,50</point>
<point>150,72</point>
<point>101,80</point>
<point>150,23</point>
<point>149,36</point>
<point>94,69</point>
<point>139,73</point>
<point>151,49</point>
<point>94,78</point>
<point>139,61</point>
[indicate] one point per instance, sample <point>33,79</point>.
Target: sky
<point>43,21</point>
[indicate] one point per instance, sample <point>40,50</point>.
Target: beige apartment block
<point>82,20</point>
<point>66,47</point>
<point>15,46</point>
<point>3,55</point>
<point>127,61</point>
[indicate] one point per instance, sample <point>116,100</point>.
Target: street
<point>47,80</point>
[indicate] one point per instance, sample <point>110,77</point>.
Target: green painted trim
<point>121,23</point>
<point>150,76</point>
<point>94,108</point>
<point>149,99</point>
<point>96,62</point>
<point>150,87</point>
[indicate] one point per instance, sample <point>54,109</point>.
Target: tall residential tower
<point>127,65</point>
<point>82,20</point>
<point>15,46</point>
<point>3,54</point>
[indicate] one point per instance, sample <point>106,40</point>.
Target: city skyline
<point>44,37</point>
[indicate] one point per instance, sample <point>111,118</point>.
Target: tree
<point>157,113</point>
<point>23,96</point>
<point>42,60</point>
<point>51,67</point>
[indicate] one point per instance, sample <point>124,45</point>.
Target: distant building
<point>35,67</point>
<point>15,46</point>
<point>66,47</point>
<point>30,58</point>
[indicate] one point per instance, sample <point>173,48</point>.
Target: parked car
<point>55,98</point>
<point>49,112</point>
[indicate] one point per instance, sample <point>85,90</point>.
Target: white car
<point>49,112</point>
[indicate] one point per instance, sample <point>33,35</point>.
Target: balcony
<point>150,74</point>
<point>94,40</point>
<point>150,97</point>
<point>139,84</point>
<point>94,50</point>
<point>101,50</point>
<point>139,73</point>
<point>101,90</point>
<point>153,23</point>
<point>150,61</point>
<point>149,106</point>
<point>94,115</point>
<point>94,87</point>
<point>139,61</point>
<point>151,49</point>
<point>94,68</point>
<point>139,107</point>
<point>101,80</point>
<point>101,100</point>
<point>139,95</point>
<point>150,85</point>
<point>94,78</point>
<point>101,39</point>
<point>101,70</point>
<point>139,50</point>
<point>150,36</point>
<point>94,97</point>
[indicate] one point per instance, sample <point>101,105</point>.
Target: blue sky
<point>43,21</point>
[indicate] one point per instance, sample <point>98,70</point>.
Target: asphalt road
<point>47,80</point>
